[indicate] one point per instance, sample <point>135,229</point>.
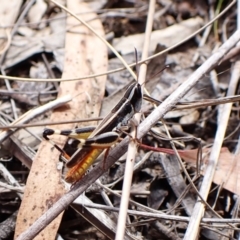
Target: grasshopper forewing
<point>103,136</point>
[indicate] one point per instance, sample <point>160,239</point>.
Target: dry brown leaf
<point>168,36</point>
<point>47,39</point>
<point>84,54</point>
<point>226,172</point>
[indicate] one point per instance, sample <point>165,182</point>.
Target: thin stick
<point>182,105</point>
<point>100,37</point>
<point>131,65</point>
<point>38,124</point>
<point>224,114</point>
<point>121,148</point>
<point>132,149</point>
<point>35,112</point>
<point>10,178</point>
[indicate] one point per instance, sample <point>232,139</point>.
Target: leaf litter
<point>37,50</point>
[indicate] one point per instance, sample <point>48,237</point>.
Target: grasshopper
<point>100,138</point>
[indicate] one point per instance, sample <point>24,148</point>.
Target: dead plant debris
<point>39,40</point>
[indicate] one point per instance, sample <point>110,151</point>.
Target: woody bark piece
<point>85,54</point>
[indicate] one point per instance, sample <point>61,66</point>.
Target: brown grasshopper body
<point>103,136</point>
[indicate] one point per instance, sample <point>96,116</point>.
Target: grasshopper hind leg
<point>78,133</point>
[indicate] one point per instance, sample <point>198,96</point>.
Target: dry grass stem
<point>185,139</point>
<point>34,113</point>
<point>132,149</point>
<point>131,65</point>
<point>223,118</point>
<point>120,149</point>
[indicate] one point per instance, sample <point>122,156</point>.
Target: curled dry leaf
<point>227,171</point>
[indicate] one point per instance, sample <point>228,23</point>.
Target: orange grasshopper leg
<point>76,172</point>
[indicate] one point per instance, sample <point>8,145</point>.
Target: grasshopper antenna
<point>164,68</point>
<point>137,65</point>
